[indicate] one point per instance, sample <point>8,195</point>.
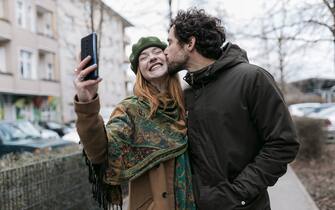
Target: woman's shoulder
<point>129,101</point>
<point>133,105</point>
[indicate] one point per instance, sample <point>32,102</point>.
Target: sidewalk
<point>289,194</point>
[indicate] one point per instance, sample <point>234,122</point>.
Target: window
<point>2,59</point>
<point>19,13</point>
<point>48,24</point>
<point>44,22</point>
<point>49,73</point>
<point>46,65</point>
<point>24,14</point>
<point>26,64</point>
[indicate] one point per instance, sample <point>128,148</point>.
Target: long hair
<point>144,89</point>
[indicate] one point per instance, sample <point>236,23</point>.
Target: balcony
<point>5,32</point>
<point>46,4</point>
<point>45,22</point>
<point>45,30</point>
<point>6,82</point>
<point>47,44</point>
<point>50,87</point>
<point>37,87</point>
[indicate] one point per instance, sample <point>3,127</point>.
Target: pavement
<point>289,194</point>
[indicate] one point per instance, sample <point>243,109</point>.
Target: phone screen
<point>89,47</point>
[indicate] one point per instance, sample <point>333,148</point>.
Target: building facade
<point>74,22</point>
<point>29,70</point>
<point>39,44</point>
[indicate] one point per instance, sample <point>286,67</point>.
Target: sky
<point>150,17</point>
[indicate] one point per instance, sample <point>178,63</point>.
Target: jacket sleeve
<point>91,130</point>
<point>269,113</point>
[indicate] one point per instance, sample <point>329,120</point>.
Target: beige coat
<point>153,190</point>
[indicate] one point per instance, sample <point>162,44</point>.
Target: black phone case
<point>89,47</point>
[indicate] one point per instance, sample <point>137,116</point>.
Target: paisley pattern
<point>137,143</point>
<point>183,184</point>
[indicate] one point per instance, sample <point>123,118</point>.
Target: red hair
<point>144,89</point>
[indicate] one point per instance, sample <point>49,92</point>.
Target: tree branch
<point>329,7</point>
<point>319,23</point>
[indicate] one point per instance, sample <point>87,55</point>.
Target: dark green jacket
<point>241,134</point>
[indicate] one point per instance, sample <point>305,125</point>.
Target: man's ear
<point>191,43</point>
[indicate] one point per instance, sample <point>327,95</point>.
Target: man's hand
<point>86,90</point>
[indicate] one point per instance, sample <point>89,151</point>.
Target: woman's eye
<point>157,52</point>
<point>143,58</point>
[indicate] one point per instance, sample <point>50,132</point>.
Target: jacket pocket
<point>146,204</point>
<point>213,198</point>
<point>260,202</point>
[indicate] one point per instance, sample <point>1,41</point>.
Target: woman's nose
<point>153,58</point>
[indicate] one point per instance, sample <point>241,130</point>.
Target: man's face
<point>177,56</point>
<point>152,64</point>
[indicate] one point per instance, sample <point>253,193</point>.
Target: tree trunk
<point>92,15</point>
<point>334,34</point>
<point>170,11</point>
<point>281,64</point>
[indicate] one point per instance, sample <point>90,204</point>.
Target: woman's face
<point>152,64</point>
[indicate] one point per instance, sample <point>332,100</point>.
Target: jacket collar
<point>231,56</point>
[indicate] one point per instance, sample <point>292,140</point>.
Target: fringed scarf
<point>135,145</point>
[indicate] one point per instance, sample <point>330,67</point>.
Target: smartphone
<point>89,47</point>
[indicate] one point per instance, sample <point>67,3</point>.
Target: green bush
<point>311,136</point>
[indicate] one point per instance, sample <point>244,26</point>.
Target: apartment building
<point>74,22</point>
<point>29,72</point>
<point>39,44</point>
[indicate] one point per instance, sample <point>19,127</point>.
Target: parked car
<point>16,138</point>
<point>37,130</point>
<point>55,126</point>
<point>328,115</point>
<point>302,109</point>
<point>72,136</point>
<point>320,108</point>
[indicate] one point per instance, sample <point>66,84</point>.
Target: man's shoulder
<point>252,71</point>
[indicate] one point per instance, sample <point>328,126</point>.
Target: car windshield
<point>11,133</point>
<point>28,128</point>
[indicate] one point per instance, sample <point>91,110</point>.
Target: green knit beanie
<point>142,44</point>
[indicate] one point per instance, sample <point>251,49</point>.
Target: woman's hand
<point>86,90</point>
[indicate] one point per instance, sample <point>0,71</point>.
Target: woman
<point>144,142</point>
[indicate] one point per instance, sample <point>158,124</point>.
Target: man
<point>240,131</point>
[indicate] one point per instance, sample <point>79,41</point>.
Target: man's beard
<point>174,68</point>
<point>177,66</point>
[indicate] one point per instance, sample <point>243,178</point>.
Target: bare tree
<point>281,35</point>
<point>95,9</point>
<point>274,38</point>
<point>317,16</point>
<point>170,11</point>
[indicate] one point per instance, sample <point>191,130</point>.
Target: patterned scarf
<point>136,144</point>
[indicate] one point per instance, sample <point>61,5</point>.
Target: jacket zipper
<point>192,78</point>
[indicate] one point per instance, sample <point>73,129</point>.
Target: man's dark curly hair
<point>208,31</point>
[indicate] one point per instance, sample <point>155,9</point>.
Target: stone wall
<point>60,183</point>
